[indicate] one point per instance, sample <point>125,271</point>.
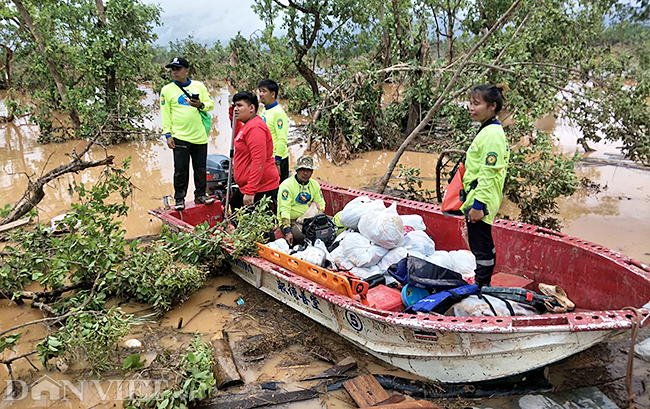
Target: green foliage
<point>352,120</point>
<point>89,335</point>
<point>253,225</point>
<point>299,97</point>
<point>93,336</point>
<point>410,185</point>
<point>133,362</point>
<point>202,246</point>
<point>99,61</point>
<point>195,384</point>
<point>151,276</point>
<point>256,59</point>
<point>9,341</point>
<point>50,347</point>
<point>537,177</point>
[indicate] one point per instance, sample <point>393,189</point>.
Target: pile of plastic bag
<point>378,237</point>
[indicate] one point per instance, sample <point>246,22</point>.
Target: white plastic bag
<point>359,251</point>
<point>353,211</point>
<point>315,254</point>
<point>365,272</point>
<point>279,245</point>
<point>443,259</point>
<point>464,262</point>
<point>392,257</point>
<point>419,241</point>
<point>412,222</point>
<point>383,228</point>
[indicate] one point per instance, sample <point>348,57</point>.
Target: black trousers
<point>237,199</point>
<point>284,169</point>
<point>482,246</point>
<point>182,154</point>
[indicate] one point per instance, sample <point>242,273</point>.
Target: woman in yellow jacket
<point>486,163</point>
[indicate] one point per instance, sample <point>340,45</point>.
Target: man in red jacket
<point>253,161</point>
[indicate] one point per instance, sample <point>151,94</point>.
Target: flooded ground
<point>617,217</point>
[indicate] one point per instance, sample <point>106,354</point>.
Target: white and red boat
<point>600,281</point>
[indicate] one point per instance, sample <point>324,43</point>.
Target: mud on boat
<point>600,281</point>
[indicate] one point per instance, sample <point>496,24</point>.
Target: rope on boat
<point>637,321</point>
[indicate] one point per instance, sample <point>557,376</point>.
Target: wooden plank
<point>365,390</point>
<point>336,371</point>
<point>397,398</point>
<point>13,225</point>
<point>258,400</point>
<point>412,404</point>
<point>224,368</point>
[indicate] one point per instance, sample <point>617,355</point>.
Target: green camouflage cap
<point>305,162</point>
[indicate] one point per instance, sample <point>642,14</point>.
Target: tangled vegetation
<point>195,381</point>
<point>85,261</point>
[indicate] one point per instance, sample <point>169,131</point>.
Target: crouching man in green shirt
<point>295,196</point>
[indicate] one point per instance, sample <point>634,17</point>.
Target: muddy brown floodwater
<point>617,217</point>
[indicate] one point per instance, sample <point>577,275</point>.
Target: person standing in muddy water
<point>278,122</point>
<point>486,164</point>
<point>181,104</point>
<point>253,162</point>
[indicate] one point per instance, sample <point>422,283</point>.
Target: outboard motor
<point>217,175</point>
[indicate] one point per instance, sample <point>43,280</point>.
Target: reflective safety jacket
<point>486,163</point>
<point>294,198</point>
<point>179,118</point>
<point>278,122</point>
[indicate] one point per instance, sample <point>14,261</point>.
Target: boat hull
<point>439,355</point>
<point>464,349</point>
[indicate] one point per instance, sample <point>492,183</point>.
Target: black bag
<point>319,227</point>
<point>424,274</point>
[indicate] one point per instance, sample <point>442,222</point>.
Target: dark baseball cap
<point>178,62</point>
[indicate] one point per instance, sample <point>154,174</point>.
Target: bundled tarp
<point>420,273</point>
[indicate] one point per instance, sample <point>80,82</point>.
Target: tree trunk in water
<point>450,35</point>
<point>308,75</point>
<point>415,110</point>
<point>8,60</point>
<point>51,65</point>
<point>110,87</point>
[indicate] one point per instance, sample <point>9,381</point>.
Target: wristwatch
<point>201,106</point>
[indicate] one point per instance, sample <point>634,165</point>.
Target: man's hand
<point>249,200</point>
<point>196,103</point>
<point>277,165</point>
<point>170,143</point>
<point>289,238</point>
<point>475,215</point>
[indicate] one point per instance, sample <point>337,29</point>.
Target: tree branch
<point>383,182</point>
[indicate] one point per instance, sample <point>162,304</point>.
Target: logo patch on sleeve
<point>285,194</point>
<point>491,159</point>
<point>280,123</point>
<point>162,99</point>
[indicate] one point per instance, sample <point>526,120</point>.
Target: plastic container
<point>385,298</point>
<point>410,295</point>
